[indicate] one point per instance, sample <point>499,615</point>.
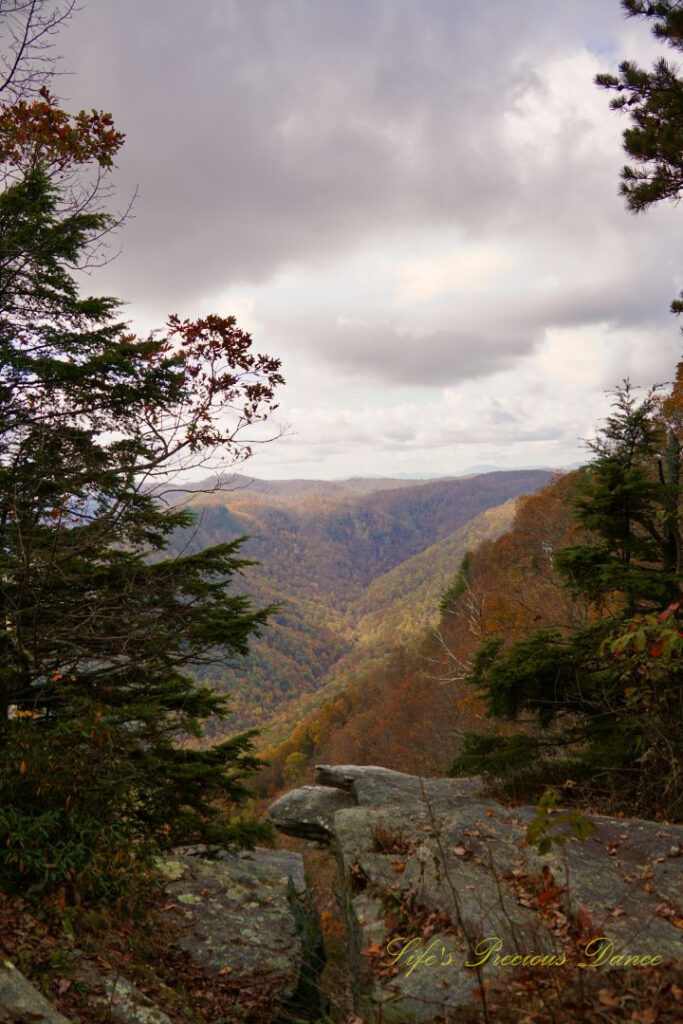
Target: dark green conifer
<point>604,698</point>
<point>99,625</point>
<point>654,102</point>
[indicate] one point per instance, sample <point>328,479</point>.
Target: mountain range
<point>356,566</point>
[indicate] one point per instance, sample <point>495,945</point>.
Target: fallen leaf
<point>606,997</point>
<point>225,970</point>
<point>647,1016</point>
<point>583,920</point>
<point>617,912</point>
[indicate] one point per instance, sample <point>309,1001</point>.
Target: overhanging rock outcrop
<point>433,864</point>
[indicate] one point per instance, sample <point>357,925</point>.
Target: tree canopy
<point>100,627</point>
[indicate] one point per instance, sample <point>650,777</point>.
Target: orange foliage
<point>408,713</point>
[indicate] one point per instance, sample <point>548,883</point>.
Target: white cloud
<point>466,270</point>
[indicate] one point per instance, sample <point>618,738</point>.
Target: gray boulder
<point>308,812</point>
<point>374,786</point>
<point>20,1002</point>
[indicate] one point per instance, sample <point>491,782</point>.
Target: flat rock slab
<point>374,786</point>
<point>453,869</point>
<point>248,915</point>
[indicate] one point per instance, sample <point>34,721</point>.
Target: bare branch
<point>26,30</point>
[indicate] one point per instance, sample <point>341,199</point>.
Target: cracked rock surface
<point>453,859</point>
<point>250,914</point>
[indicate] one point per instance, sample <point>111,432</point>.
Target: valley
<point>356,568</point>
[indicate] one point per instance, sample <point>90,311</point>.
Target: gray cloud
<point>264,134</point>
<point>435,359</point>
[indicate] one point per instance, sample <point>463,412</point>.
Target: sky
<point>413,203</point>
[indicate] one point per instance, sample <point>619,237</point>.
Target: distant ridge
<point>476,470</point>
<point>289,488</point>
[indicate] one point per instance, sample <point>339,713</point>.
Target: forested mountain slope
<point>354,565</point>
<point>290,492</point>
<point>407,706</point>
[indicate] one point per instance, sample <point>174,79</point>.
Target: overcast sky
<point>412,202</point>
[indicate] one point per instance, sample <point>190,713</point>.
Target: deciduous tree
<point>27,30</point>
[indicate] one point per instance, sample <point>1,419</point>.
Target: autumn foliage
<point>556,659</point>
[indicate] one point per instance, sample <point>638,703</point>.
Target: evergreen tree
<point>654,101</point>
<point>607,697</point>
<point>630,501</point>
<point>99,627</point>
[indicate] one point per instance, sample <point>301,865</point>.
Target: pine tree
<point>630,501</point>
<point>654,101</point>
<point>99,627</point>
<point>607,696</point>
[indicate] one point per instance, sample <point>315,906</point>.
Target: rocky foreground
<point>434,877</point>
<point>442,896</point>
